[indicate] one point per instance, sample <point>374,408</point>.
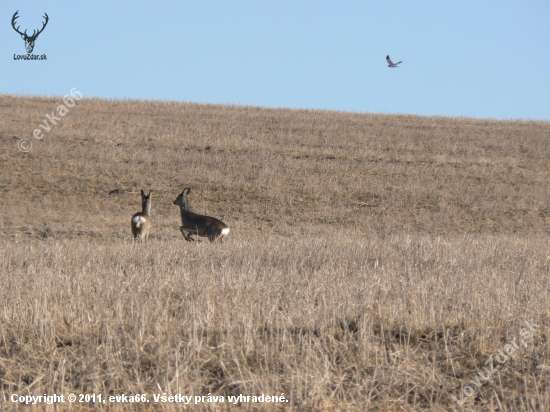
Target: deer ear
<point>23,36</point>
<point>142,192</point>
<point>150,191</point>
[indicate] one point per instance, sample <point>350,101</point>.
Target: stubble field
<point>375,262</point>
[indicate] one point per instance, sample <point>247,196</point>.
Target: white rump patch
<point>225,231</point>
<point>138,219</point>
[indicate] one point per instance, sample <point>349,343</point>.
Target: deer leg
<point>186,236</point>
<point>212,233</point>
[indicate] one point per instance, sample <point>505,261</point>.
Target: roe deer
<point>195,224</point>
<point>141,221</point>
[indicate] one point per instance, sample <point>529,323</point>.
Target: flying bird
<point>392,64</point>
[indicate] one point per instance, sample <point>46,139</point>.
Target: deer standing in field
<point>195,224</point>
<point>141,221</point>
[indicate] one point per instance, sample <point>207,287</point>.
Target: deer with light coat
<point>141,221</point>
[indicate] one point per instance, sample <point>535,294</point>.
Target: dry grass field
<point>375,262</point>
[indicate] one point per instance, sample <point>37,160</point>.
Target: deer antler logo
<point>29,40</point>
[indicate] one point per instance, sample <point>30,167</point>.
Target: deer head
<point>29,40</point>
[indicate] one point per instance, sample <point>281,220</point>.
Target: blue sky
<point>469,58</point>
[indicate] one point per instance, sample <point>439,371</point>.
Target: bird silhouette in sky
<point>390,63</point>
